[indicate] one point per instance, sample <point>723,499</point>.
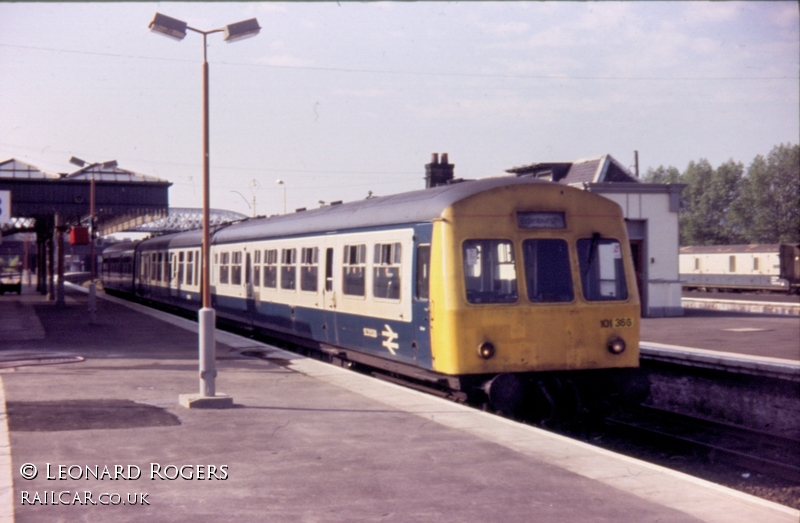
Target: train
<point>741,268</point>
<point>513,291</point>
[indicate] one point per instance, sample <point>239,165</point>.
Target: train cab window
<point>224,269</point>
<point>236,268</point>
<point>271,268</point>
<point>309,260</point>
<point>602,270</point>
<point>489,271</point>
<point>189,267</point>
<point>288,269</point>
<point>257,269</point>
<point>353,270</point>
<point>386,271</point>
<point>547,270</point>
<point>423,271</point>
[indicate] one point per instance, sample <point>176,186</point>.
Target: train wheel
<point>506,393</point>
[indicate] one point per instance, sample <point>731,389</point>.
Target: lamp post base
<point>198,401</point>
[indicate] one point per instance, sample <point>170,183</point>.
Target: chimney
<point>438,173</point>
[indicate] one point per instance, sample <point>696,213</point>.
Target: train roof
<point>411,207</point>
<point>120,247</point>
<point>731,249</point>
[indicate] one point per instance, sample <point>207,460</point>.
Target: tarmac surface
<point>306,441</point>
<point>765,335</point>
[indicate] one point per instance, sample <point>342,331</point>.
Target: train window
<point>755,264</point>
<point>224,270</point>
<point>489,271</point>
<point>423,271</point>
<point>271,268</point>
<point>697,264</point>
<point>602,270</point>
<point>197,267</point>
<point>353,270</point>
<point>236,268</point>
<point>329,269</point>
<point>386,271</point>
<point>189,267</point>
<point>732,264</point>
<point>288,269</point>
<point>159,266</point>
<point>309,259</point>
<point>547,270</point>
<point>181,266</point>
<point>257,269</point>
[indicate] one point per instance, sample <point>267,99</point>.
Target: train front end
<point>532,280</point>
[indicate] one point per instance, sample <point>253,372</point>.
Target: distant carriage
<point>756,267</point>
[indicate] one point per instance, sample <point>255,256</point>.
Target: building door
<point>637,235</point>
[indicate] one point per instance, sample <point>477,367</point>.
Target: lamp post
<point>208,396</point>
<point>93,263</point>
<point>280,182</point>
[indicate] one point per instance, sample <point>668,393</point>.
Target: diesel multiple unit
<point>500,286</point>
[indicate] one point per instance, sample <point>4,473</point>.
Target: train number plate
<point>616,323</point>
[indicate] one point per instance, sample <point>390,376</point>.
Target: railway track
<point>720,443</point>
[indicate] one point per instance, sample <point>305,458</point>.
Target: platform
<point>306,441</point>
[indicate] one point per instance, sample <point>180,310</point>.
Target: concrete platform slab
<point>305,441</point>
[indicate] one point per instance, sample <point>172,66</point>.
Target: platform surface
<point>306,441</point>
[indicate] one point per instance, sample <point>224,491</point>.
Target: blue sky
<point>341,99</point>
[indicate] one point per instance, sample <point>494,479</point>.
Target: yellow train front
<point>529,284</point>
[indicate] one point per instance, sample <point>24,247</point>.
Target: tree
<point>769,208</point>
<point>661,175</point>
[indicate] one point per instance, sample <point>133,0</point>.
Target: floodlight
<point>110,164</point>
<point>77,161</point>
<point>241,30</point>
<point>168,26</point>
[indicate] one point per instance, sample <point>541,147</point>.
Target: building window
<point>288,269</point>
<point>353,270</point>
<point>309,260</point>
<point>386,271</point>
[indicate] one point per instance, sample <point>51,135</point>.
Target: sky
<point>338,100</point>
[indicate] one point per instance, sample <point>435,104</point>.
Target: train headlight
<point>616,345</point>
<point>486,350</point>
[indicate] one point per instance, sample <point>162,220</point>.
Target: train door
<point>329,299</point>
<point>421,306</point>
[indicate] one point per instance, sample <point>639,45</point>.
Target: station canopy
<point>123,199</point>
